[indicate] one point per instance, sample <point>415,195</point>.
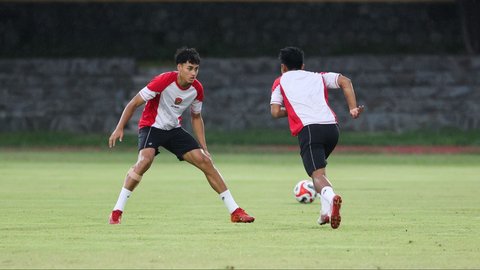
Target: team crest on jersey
<point>178,100</point>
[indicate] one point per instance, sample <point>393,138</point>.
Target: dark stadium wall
<point>150,31</point>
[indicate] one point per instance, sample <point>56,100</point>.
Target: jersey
<point>305,97</point>
<point>167,100</point>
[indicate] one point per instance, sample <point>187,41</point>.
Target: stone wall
<point>401,93</point>
<point>73,95</point>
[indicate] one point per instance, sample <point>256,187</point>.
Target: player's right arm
<point>276,102</point>
<point>347,87</point>
<point>132,105</point>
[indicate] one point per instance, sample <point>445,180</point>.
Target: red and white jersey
<point>305,97</point>
<point>167,100</point>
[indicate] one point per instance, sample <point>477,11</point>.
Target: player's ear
<point>283,68</point>
<point>179,66</point>
<point>303,66</point>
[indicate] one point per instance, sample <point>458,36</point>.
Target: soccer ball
<point>304,191</point>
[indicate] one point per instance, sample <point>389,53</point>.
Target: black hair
<point>292,57</point>
<point>185,54</point>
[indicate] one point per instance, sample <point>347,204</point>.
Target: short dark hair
<point>292,57</point>
<point>185,54</point>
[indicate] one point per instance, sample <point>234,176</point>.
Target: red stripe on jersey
<point>276,83</point>
<point>199,87</point>
<point>294,121</point>
<point>160,82</point>
<point>149,113</point>
<point>157,84</point>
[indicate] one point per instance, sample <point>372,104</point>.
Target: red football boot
<point>335,217</point>
<point>240,216</point>
<point>116,217</point>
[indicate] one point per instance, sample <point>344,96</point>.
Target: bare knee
<point>202,161</point>
<point>143,165</point>
<point>145,160</point>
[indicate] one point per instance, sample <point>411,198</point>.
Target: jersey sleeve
<point>157,85</point>
<point>196,106</point>
<point>147,94</point>
<point>330,79</point>
<point>197,103</point>
<point>277,97</point>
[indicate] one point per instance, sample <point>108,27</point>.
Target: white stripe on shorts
<point>146,139</point>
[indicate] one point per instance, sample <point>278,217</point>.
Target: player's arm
<point>132,105</point>
<point>278,111</point>
<point>347,87</point>
<point>276,101</point>
<point>199,129</point>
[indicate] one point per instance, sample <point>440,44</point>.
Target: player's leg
<point>132,179</point>
<point>313,153</point>
<point>185,147</point>
<point>200,160</point>
<point>331,133</point>
<point>330,202</point>
<point>316,143</point>
<point>134,174</point>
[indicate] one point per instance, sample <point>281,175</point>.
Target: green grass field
<point>399,211</point>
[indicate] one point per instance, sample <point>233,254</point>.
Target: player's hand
<point>355,112</point>
<point>116,134</point>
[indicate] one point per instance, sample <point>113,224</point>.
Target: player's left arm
<point>277,111</point>
<point>347,87</point>
<point>199,131</point>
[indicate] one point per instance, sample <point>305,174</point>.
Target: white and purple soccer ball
<point>304,191</point>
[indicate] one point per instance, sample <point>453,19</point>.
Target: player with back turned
<point>166,97</point>
<point>302,96</point>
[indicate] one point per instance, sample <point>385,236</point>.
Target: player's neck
<point>182,83</point>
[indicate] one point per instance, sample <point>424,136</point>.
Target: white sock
<point>228,200</point>
<point>122,199</point>
<point>325,206</point>
<point>327,193</point>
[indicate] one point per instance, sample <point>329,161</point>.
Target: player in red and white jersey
<point>166,97</point>
<point>302,96</point>
<point>167,100</point>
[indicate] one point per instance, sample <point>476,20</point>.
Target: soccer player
<point>302,96</point>
<point>167,96</point>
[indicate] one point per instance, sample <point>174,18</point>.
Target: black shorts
<point>177,140</point>
<point>316,143</point>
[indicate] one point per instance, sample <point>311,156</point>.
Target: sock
<point>327,193</point>
<point>228,200</point>
<point>122,199</point>
<point>325,206</point>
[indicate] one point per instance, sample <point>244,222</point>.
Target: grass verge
<point>250,137</point>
